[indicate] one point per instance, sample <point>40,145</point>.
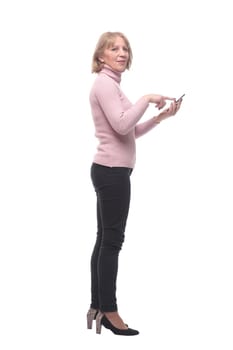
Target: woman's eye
<point>116,48</point>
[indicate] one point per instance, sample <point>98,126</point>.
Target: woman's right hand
<point>159,100</point>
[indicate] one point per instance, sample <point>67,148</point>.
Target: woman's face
<point>116,56</point>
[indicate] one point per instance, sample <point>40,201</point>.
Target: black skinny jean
<point>112,187</point>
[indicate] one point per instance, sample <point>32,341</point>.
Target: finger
<point>176,108</point>
<point>169,98</point>
<point>179,101</point>
<point>178,104</point>
<point>161,104</point>
<point>173,108</point>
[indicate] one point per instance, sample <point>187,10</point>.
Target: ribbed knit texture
<point>116,120</point>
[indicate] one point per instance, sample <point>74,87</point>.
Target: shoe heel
<point>98,322</point>
<point>89,323</point>
<point>91,315</point>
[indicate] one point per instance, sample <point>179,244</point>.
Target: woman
<point>116,125</point>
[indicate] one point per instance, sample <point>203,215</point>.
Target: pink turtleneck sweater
<point>116,120</point>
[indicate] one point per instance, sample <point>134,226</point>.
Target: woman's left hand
<point>169,112</point>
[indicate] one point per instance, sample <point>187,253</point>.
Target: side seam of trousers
<point>112,187</point>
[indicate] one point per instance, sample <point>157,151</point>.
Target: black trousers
<point>112,187</point>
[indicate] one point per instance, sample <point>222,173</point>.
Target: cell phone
<point>180,98</point>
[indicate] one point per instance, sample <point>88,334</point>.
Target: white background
<point>175,275</point>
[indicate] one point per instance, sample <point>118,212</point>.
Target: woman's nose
<point>122,52</point>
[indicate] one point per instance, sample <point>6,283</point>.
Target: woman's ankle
<point>115,319</point>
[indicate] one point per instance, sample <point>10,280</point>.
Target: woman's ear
<point>101,60</point>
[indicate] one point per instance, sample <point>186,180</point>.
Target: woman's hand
<point>169,112</point>
<point>159,100</point>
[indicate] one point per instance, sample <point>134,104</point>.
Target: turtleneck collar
<point>111,73</point>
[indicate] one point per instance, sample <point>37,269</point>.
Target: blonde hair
<point>105,41</point>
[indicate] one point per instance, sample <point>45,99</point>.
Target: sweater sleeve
<point>110,99</point>
<point>143,128</point>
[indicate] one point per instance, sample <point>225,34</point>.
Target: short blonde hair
<point>105,41</point>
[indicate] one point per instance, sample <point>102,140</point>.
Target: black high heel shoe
<point>91,316</point>
<point>101,319</point>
